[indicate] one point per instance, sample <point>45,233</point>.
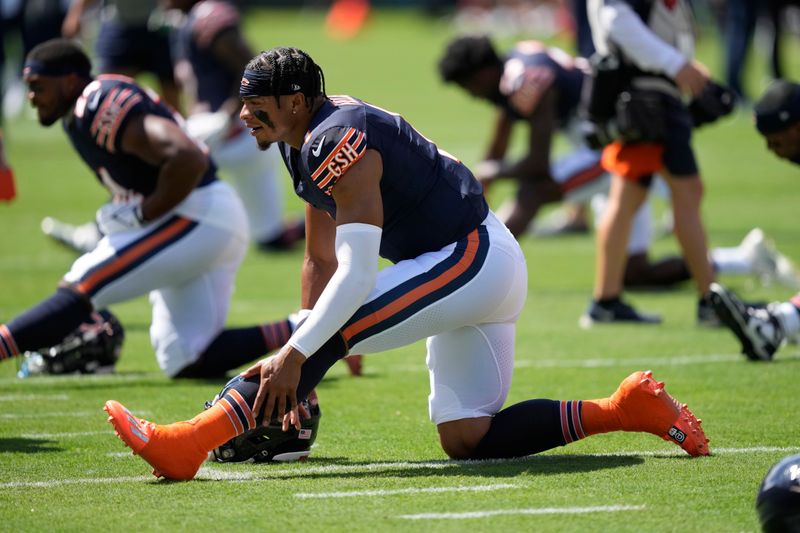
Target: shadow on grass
<point>340,467</point>
<point>23,445</point>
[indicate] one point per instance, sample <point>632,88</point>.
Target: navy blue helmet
<point>778,501</point>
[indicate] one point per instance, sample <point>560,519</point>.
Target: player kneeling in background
<point>762,331</point>
<point>172,229</point>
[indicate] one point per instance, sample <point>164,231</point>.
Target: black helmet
<point>94,346</point>
<point>271,443</point>
<point>778,501</point>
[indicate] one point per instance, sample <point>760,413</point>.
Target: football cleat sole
<point>730,315</point>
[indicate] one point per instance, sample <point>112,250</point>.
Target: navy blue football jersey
<point>430,199</point>
<point>95,129</point>
<point>193,43</point>
<point>532,68</point>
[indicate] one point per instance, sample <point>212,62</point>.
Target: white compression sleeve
<point>357,247</point>
<point>638,42</point>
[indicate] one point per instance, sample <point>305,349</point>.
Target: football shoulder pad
<point>330,153</point>
<point>104,107</point>
<point>525,85</point>
<point>210,19</point>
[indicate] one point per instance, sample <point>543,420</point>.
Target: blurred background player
<point>540,86</point>
<point>209,52</point>
<point>762,331</point>
<point>172,229</point>
<point>127,43</point>
<point>654,44</point>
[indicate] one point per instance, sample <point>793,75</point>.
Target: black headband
<point>781,116</point>
<point>257,83</point>
<point>41,68</point>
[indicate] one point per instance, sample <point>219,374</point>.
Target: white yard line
<point>413,490</point>
<point>535,511</point>
<point>217,472</point>
<point>32,397</point>
<point>80,378</point>
<point>65,435</point>
<point>648,362</point>
<point>603,362</point>
<point>60,414</point>
<point>597,362</point>
<point>76,481</point>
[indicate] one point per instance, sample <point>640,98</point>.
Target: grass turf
<point>62,468</point>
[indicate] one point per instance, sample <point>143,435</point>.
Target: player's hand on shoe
<point>280,375</point>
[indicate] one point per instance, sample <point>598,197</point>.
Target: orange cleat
<point>644,405</point>
<point>171,450</point>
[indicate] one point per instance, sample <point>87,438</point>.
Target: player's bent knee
<point>460,438</point>
<point>171,353</point>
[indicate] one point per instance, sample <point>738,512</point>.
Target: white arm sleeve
<point>643,47</point>
<point>357,247</point>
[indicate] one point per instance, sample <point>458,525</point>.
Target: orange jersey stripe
<point>338,147</point>
<point>96,128</point>
<point>419,292</point>
<point>131,255</point>
<point>132,101</point>
<point>322,184</point>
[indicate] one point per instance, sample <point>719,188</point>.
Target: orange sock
<point>600,416</point>
<point>229,417</point>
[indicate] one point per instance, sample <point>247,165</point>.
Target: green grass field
<point>376,465</point>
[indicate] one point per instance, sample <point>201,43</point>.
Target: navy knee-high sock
<point>312,372</point>
<point>528,427</point>
<point>235,347</point>
<point>45,324</point>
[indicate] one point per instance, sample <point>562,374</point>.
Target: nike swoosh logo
<point>317,150</point>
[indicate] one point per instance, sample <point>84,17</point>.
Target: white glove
<point>118,217</point>
<point>209,128</point>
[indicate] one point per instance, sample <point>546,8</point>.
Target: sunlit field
<point>377,465</point>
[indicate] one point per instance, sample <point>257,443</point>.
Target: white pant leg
<point>187,317</point>
<point>495,294</point>
<point>470,371</point>
<point>255,175</point>
<point>189,267</point>
<point>580,175</point>
<point>470,331</point>
<point>107,275</point>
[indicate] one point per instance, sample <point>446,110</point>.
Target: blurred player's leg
<point>255,175</point>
